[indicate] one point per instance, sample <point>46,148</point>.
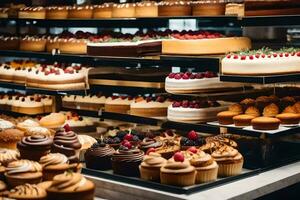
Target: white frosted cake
<point>262,62</point>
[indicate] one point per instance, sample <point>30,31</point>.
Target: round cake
<point>146,9</point>
<point>103,11</point>
<point>9,43</point>
<point>32,13</point>
<point>174,8</point>
<point>124,10</point>
<point>182,83</point>
<point>208,8</point>
<point>73,46</point>
<point>57,12</point>
<point>52,43</point>
<point>81,12</point>
<point>118,104</point>
<point>33,43</point>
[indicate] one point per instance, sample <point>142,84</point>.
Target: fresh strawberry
<point>192,135</point>
<point>185,104</point>
<point>150,151</point>
<point>193,149</point>
<point>178,157</point>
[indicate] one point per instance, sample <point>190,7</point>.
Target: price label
<point>100,112</point>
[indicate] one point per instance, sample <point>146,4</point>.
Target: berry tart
<point>33,43</point>
<point>195,111</point>
<point>32,13</point>
<point>146,9</point>
<point>262,62</point>
<point>208,8</point>
<point>182,83</point>
<point>123,10</point>
<point>79,124</point>
<point>192,140</point>
<point>57,12</point>
<point>118,104</point>
<point>81,12</point>
<point>103,11</point>
<point>150,106</point>
<point>174,8</point>
<point>203,42</point>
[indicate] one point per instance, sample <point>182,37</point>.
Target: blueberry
<point>183,140</point>
<point>121,134</point>
<point>116,140</point>
<point>135,138</point>
<point>200,141</point>
<point>189,143</point>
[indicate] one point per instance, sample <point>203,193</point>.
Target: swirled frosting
<point>100,150</point>
<point>150,143</point>
<point>27,191</point>
<point>202,159</point>
<point>8,155</point>
<point>70,182</point>
<point>153,160</point>
<point>23,166</point>
<point>40,142</point>
<point>128,155</point>
<point>226,153</point>
<point>177,167</point>
<point>53,159</point>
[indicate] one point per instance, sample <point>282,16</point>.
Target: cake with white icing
<point>195,111</point>
<point>262,62</point>
<point>181,83</point>
<point>28,105</point>
<point>38,12</point>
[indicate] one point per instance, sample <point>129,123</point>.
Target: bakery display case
<point>154,113</point>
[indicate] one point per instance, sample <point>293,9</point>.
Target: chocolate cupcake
<point>148,143</point>
<point>34,147</point>
<point>126,160</point>
<point>67,143</point>
<point>99,156</point>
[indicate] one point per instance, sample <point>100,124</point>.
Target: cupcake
<point>126,160</point>
<point>289,118</point>
<point>262,102</point>
<point>28,192</point>
<point>178,171</point>
<point>99,156</point>
<point>67,143</point>
<point>237,108</point>
<point>150,167</point>
<point>168,149</point>
<point>253,111</point>
<point>246,103</point>
<point>148,143</point>
<point>226,117</point>
<point>8,155</point>
<point>230,161</point>
<point>34,147</point>
<point>54,164</point>
<point>23,171</point>
<point>242,120</point>
<point>206,167</point>
<point>71,186</point>
<point>10,137</point>
<point>271,110</point>
<point>192,139</point>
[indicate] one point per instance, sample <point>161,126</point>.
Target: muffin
<point>237,108</point>
<point>246,103</point>
<point>226,117</point>
<point>10,137</point>
<point>265,123</point>
<point>71,186</point>
<point>178,172</point>
<point>34,147</point>
<point>54,164</point>
<point>150,167</point>
<point>23,171</point>
<point>148,143</point>
<point>289,118</point>
<point>243,120</point>
<point>99,156</point>
<point>230,161</point>
<point>126,160</point>
<point>271,110</point>
<point>287,101</point>
<point>28,192</point>
<point>67,143</point>
<point>206,167</point>
<point>262,102</point>
<point>290,109</point>
<point>8,155</point>
<point>274,99</point>
<point>253,111</point>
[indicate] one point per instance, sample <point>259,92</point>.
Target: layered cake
<point>150,107</point>
<point>57,12</point>
<point>9,42</point>
<point>81,12</point>
<point>198,43</point>
<point>32,13</point>
<point>6,73</point>
<point>103,11</point>
<point>146,9</point>
<point>33,43</point>
<point>124,10</point>
<point>52,43</point>
<point>262,62</point>
<point>118,104</point>
<point>181,83</point>
<point>208,8</point>
<point>195,111</point>
<point>174,8</point>
<point>78,123</point>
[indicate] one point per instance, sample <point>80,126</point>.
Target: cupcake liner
<point>150,174</point>
<point>230,169</point>
<point>15,181</point>
<point>178,179</point>
<point>206,175</point>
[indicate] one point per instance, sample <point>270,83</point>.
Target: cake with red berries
<point>57,78</point>
<point>150,106</point>
<point>195,111</point>
<point>201,43</point>
<point>79,124</point>
<point>118,104</point>
<point>181,83</point>
<point>262,62</point>
<point>28,105</point>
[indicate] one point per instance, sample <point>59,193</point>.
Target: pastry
<point>226,117</point>
<point>192,139</point>
<point>265,123</point>
<point>32,13</point>
<point>57,12</point>
<point>118,104</point>
<point>216,142</point>
<point>271,110</point>
<point>81,12</point>
<point>123,10</point>
<point>253,111</point>
<point>287,101</point>
<point>288,118</point>
<point>33,43</point>
<point>257,62</point>
<point>169,147</point>
<point>54,120</point>
<point>182,83</point>
<point>38,130</point>
<point>195,111</point>
<point>34,147</point>
<point>4,12</point>
<point>174,8</point>
<point>208,8</point>
<point>146,9</point>
<point>54,164</point>
<point>206,167</point>
<point>126,160</point>
<point>10,137</point>
<point>243,120</point>
<point>28,105</point>
<point>23,171</point>
<point>99,156</point>
<point>28,123</point>
<point>28,192</point>
<point>297,107</point>
<point>71,186</point>
<point>150,167</point>
<point>103,11</point>
<point>8,155</point>
<point>178,172</point>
